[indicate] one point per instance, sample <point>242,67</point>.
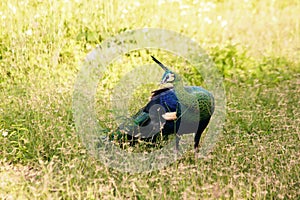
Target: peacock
<point>175,109</point>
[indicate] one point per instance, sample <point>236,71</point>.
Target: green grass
<point>255,44</point>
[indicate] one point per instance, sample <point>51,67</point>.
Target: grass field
<point>255,44</point>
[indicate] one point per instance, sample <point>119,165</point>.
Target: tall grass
<point>255,44</point>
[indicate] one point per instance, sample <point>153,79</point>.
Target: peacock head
<point>169,76</point>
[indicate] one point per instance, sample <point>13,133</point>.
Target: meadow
<point>254,44</point>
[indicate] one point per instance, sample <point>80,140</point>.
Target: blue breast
<point>167,99</point>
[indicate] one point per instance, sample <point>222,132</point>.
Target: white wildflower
<point>137,3</point>
<point>4,133</point>
<point>12,8</point>
<point>28,32</point>
<point>223,23</point>
<point>183,13</point>
<point>208,20</point>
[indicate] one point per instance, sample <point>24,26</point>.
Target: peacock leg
<point>177,143</point>
<point>196,141</point>
<point>202,125</point>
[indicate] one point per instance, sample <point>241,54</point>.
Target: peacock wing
<point>159,91</point>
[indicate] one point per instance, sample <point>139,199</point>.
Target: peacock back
<point>198,105</point>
